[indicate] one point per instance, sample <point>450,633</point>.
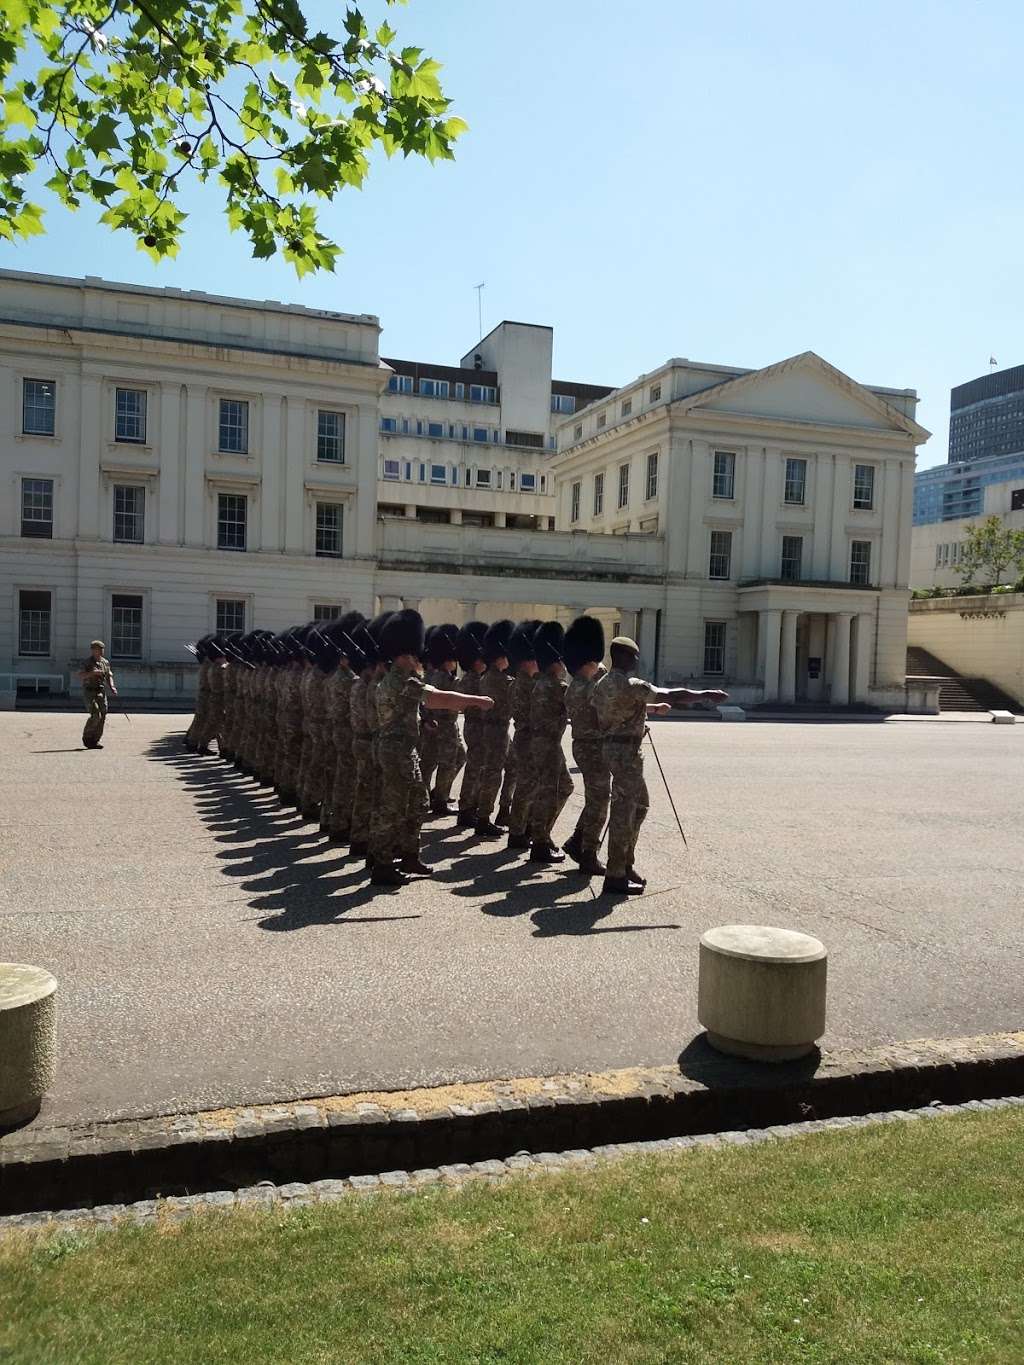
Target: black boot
<point>414,866</point>
<point>387,874</point>
<point>573,847</point>
<point>465,819</point>
<point>521,841</point>
<point>620,886</point>
<point>634,876</point>
<point>486,830</point>
<point>592,866</point>
<point>542,852</point>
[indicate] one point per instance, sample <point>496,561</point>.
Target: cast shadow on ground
<point>279,859</point>
<point>699,1061</point>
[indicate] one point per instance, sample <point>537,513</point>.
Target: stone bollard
<point>28,1040</point>
<point>761,991</point>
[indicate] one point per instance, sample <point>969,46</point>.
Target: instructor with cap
<point>96,676</point>
<point>622,701</point>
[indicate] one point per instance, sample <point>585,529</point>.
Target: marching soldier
<point>468,646</point>
<point>497,685</point>
<point>548,720</point>
<point>96,677</point>
<point>339,762</point>
<point>523,659</point>
<point>314,706</point>
<point>622,701</point>
<point>202,687</point>
<point>212,724</point>
<point>402,798</point>
<point>443,750</point>
<point>584,652</point>
<point>364,735</point>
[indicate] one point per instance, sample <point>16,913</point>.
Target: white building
<point>783,499</point>
<point>936,547</point>
<point>175,462</point>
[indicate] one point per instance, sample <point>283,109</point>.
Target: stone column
<point>90,438</point>
<point>411,603</point>
<point>769,629</point>
<point>410,510</point>
<point>787,669</point>
<point>455,516</point>
<point>470,610</point>
<point>862,642</point>
<point>499,519</point>
<point>169,443</point>
<point>840,670</point>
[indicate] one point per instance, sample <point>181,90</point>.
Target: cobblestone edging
<point>352,1136</point>
<point>296,1194</point>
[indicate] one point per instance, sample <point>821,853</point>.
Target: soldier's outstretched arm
<point>434,699</point>
<point>684,696</point>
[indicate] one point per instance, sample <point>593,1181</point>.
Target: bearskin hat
<point>584,643</point>
<point>203,650</point>
<point>442,644</point>
<point>548,644</point>
<point>521,643</point>
<point>403,634</point>
<point>469,643</point>
<point>495,643</point>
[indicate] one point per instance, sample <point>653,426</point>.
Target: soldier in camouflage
<point>547,726</point>
<point>443,750</point>
<point>523,660</point>
<point>468,652</point>
<point>584,651</point>
<point>339,764</point>
<point>496,684</point>
<point>364,735</point>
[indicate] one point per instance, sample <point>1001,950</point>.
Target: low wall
<point>981,637</point>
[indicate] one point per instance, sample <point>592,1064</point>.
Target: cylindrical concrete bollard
<point>761,991</point>
<point>28,1040</point>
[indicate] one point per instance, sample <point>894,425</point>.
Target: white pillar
<point>410,510</point>
<point>411,603</point>
<point>769,629</point>
<point>863,633</point>
<point>840,670</point>
<point>469,611</point>
<point>455,516</point>
<point>787,670</point>
<point>499,519</point>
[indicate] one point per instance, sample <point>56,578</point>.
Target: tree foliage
<point>121,102</point>
<point>989,550</point>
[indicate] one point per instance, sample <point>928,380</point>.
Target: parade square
<point>214,950</point>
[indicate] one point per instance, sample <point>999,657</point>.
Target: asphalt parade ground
<point>213,950</point>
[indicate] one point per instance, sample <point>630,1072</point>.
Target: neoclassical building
<point>175,462</point>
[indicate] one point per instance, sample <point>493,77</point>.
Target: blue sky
<point>732,183</point>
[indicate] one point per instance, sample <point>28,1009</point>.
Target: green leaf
<point>16,111</point>
<point>102,136</point>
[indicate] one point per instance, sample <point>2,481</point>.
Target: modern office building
<point>936,547</point>
<point>986,416</point>
<point>954,492</point>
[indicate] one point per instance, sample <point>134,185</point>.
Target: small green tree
<point>988,551</point>
<point>122,101</point>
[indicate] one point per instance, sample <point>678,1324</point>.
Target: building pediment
<point>803,390</point>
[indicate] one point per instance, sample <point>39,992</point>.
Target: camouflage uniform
<point>473,733</point>
<point>547,726</point>
<point>99,676</point>
<point>341,776</point>
<point>227,734</point>
<point>202,702</point>
<point>588,754</point>
<point>312,691</point>
<point>621,702</point>
<point>402,797</point>
<point>494,726</point>
<point>442,747</point>
<point>212,726</point>
<point>244,712</point>
<point>520,755</point>
<point>363,762</point>
<point>268,728</point>
<point>289,729</point>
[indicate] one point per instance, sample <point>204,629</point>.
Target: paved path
<point>212,950</point>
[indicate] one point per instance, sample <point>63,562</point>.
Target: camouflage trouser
<point>342,783</point>
<point>267,749</point>
<point>364,789</point>
<point>470,790</point>
<point>289,751</point>
<point>212,723</point>
<point>311,773</point>
<point>629,803</point>
<point>450,756</point>
<point>325,756</point>
<point>520,760</point>
<point>198,720</point>
<point>492,766</point>
<point>428,748</point>
<point>597,785</point>
<point>509,782</point>
<point>554,786</point>
<point>401,801</point>
<point>95,701</point>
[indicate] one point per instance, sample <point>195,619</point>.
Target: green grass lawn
<point>900,1243</point>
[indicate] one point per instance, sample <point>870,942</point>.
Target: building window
<point>230,615</point>
<point>860,561</point>
<point>602,417</point>
<point>125,626</point>
<point>34,616</point>
<point>627,406</point>
<point>533,439</point>
<point>391,469</point>
<point>577,434</point>
<point>326,611</point>
<point>563,402</point>
<point>129,514</point>
<point>438,473</point>
<point>232,509</point>
<point>796,482</point>
<point>527,483</point>
<point>598,495</point>
<point>37,508</point>
<point>460,391</point>
<point>720,562</point>
<point>389,424</point>
<point>483,478</point>
<point>792,558</point>
<point>130,415</point>
<point>38,407</point>
<point>400,383</point>
<point>655,394</point>
<point>328,530</point>
<point>436,430</point>
<point>330,436</point>
<point>623,485</point>
<point>724,482</point>
<point>233,427</point>
<point>482,393</point>
<point>434,388</point>
<point>714,648</point>
<point>574,501</point>
<point>864,487</point>
<point>651,488</point>
<point>479,433</point>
